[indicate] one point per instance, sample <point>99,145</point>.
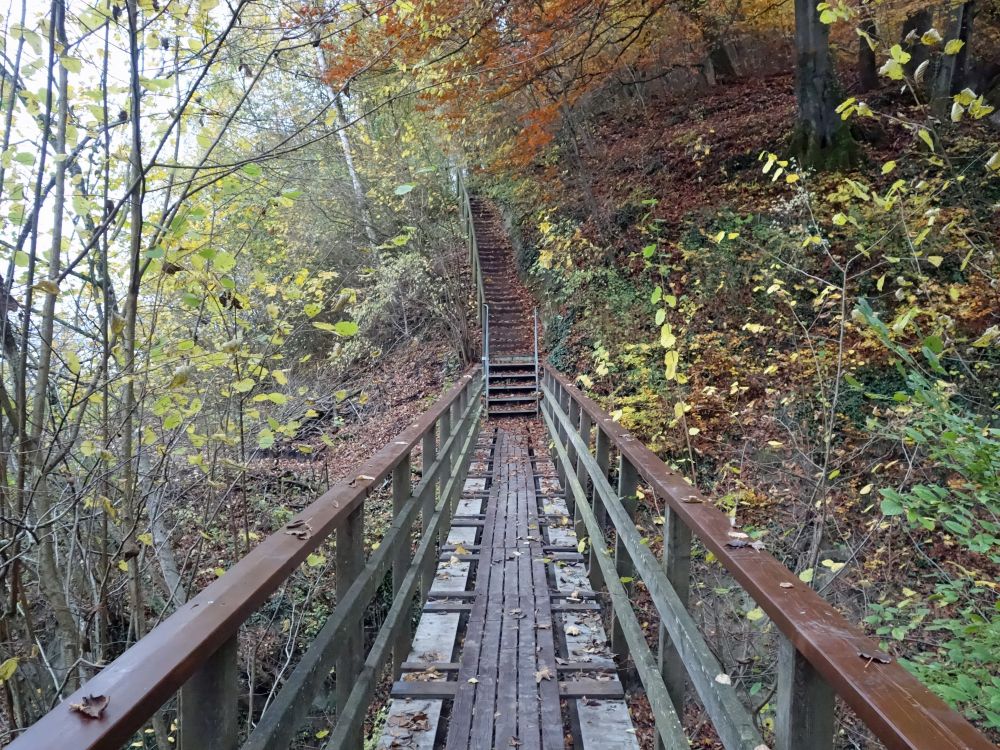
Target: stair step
<point>512,399</point>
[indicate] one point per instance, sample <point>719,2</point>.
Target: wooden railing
<point>820,654</point>
<point>194,651</point>
<point>465,211</point>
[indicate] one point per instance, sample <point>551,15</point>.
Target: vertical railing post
<point>805,716</point>
<point>586,424</point>
<point>208,715</point>
<point>602,452</point>
<point>677,564</point>
<point>402,488</point>
<point>628,483</point>
<point>574,421</point>
<point>534,330</point>
<point>444,432</point>
<point>428,448</point>
<point>349,560</point>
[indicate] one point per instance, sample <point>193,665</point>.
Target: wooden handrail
<point>823,649</point>
<point>156,667</point>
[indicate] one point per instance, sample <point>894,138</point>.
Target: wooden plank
<point>506,708</point>
<point>461,713</point>
<point>591,689</point>
<point>600,689</point>
<point>550,709</point>
<point>483,714</point>
<point>528,720</point>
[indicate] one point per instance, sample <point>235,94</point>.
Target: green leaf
<point>403,189</point>
<point>266,439</point>
<point>755,614</point>
<point>244,386</point>
<point>252,170</point>
<point>315,559</point>
<point>72,64</point>
<point>891,507</point>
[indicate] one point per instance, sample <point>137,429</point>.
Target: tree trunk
<point>867,66</point>
<point>821,139</point>
<point>359,192</point>
<point>916,24</point>
<point>951,68</point>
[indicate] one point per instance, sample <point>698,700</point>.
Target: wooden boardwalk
<point>510,650</point>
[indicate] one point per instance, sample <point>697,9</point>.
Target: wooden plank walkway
<point>510,651</point>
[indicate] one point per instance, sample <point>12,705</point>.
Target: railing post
<point>428,456</point>
<point>402,488</point>
<point>805,715</point>
<point>208,713</point>
<point>349,560</point>
<point>602,451</point>
<point>628,483</point>
<point>677,564</point>
<point>581,472</point>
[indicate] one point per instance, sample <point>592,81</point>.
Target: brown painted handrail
<point>898,708</point>
<point>149,673</point>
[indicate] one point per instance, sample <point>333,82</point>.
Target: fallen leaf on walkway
<point>723,679</point>
<point>91,705</point>
<point>572,630</point>
<point>543,674</point>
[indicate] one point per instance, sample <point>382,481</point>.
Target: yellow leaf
<point>755,614</point>
<point>935,260</point>
<point>953,47</point>
<point>322,733</point>
<point>7,669</point>
<point>47,286</point>
<point>670,362</point>
<point>925,136</point>
<point>888,167</point>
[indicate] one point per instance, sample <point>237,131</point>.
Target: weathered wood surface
<point>525,662</point>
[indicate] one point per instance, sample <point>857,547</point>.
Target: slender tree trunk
<point>867,66</point>
<point>914,26</point>
<point>950,69</point>
<point>360,199</point>
<point>821,140</point>
<point>129,509</point>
